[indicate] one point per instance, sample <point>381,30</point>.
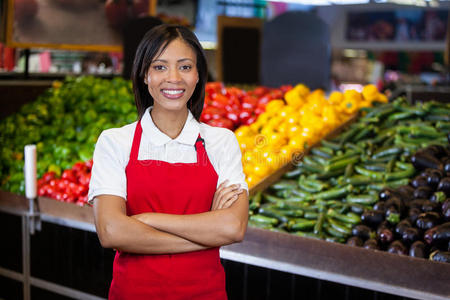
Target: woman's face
<point>172,76</point>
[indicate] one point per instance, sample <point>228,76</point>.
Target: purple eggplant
<point>444,185</point>
<point>410,235</point>
<point>440,256</point>
<point>427,220</point>
<point>371,244</point>
<point>417,249</point>
<point>413,214</point>
<point>406,192</point>
<point>386,194</point>
<point>355,241</point>
<point>401,226</point>
<point>363,232</point>
<point>428,236</point>
<point>438,197</point>
<point>385,235</point>
<point>395,202</point>
<point>372,218</point>
<point>423,192</point>
<point>380,205</point>
<point>441,236</point>
<point>430,206</point>
<point>397,247</point>
<point>419,181</point>
<point>422,160</point>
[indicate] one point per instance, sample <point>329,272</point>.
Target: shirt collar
<point>188,134</point>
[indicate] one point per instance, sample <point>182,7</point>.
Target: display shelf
<point>368,269</point>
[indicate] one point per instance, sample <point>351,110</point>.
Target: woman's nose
<point>174,75</point>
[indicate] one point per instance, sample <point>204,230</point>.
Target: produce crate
<point>85,273</point>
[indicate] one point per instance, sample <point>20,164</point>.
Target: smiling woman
<point>168,190</point>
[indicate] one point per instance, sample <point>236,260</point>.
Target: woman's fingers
<point>226,195</point>
<point>230,201</point>
<point>217,193</point>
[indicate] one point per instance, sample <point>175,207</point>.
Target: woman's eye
<point>158,68</point>
<point>186,67</point>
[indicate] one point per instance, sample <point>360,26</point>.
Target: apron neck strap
<point>136,142</point>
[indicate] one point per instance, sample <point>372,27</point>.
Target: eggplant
<point>397,247</point>
<point>392,215</point>
<point>406,192</point>
<point>428,236</point>
<point>447,165</point>
<point>395,202</point>
<point>427,220</point>
<point>423,192</point>
<point>401,226</point>
<point>380,205</point>
<point>440,256</point>
<point>410,235</point>
<point>419,181</point>
<point>433,178</point>
<point>446,204</point>
<point>371,244</point>
<point>444,185</point>
<point>422,160</point>
<point>418,203</point>
<point>446,214</point>
<point>430,206</point>
<point>413,214</point>
<point>372,218</point>
<point>417,249</point>
<point>363,232</point>
<point>355,241</point>
<point>436,151</point>
<point>438,197</point>
<point>385,235</point>
<point>386,194</point>
<point>441,235</point>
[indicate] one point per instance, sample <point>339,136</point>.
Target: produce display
<point>413,219</point>
<point>64,123</point>
<point>67,119</point>
<point>334,187</point>
<point>72,186</point>
<point>231,107</point>
<point>302,118</point>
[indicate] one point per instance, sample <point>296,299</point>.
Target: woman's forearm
<point>116,230</point>
<point>213,228</point>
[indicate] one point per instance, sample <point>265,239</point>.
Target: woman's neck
<point>168,122</point>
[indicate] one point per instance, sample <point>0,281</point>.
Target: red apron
<point>174,188</point>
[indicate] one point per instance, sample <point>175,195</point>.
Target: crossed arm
<point>158,233</point>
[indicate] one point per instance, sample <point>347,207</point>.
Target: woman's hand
<point>225,196</point>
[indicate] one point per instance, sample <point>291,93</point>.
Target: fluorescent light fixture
<point>304,2</point>
<point>349,1</point>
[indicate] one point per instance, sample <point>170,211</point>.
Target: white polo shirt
<point>112,153</point>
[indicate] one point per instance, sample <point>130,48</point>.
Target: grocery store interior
<point>341,109</point>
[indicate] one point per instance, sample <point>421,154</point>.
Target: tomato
<point>69,175</point>
<point>262,102</point>
<point>244,115</point>
<point>218,100</point>
<point>79,167</point>
<point>89,164</point>
<point>250,120</point>
<point>211,113</point>
<point>41,182</point>
<point>276,94</point>
<point>249,102</point>
<point>222,122</point>
<point>259,110</point>
<point>214,87</point>
<point>49,176</point>
<point>234,117</point>
<point>260,91</point>
<point>84,179</point>
<point>285,88</point>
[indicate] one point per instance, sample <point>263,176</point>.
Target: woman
<point>167,190</point>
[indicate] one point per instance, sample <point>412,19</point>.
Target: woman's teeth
<point>172,92</point>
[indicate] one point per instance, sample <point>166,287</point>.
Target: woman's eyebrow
<point>165,61</point>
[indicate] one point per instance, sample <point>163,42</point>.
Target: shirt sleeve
<point>230,163</point>
<point>108,170</point>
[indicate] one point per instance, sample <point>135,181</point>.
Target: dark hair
<point>153,43</point>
